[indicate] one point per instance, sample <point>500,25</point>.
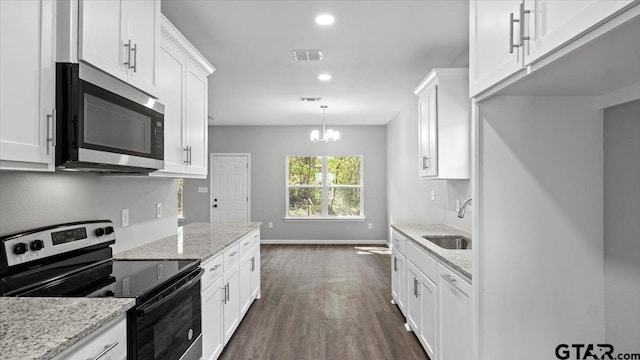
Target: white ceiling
<point>377,52</point>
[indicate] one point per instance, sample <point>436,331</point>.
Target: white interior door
<point>230,188</point>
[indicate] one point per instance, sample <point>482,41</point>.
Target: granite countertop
<point>459,260</point>
<point>58,323</point>
<point>197,241</point>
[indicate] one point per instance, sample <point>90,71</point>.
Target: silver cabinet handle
<point>51,129</point>
<point>395,264</point>
<point>128,62</point>
<point>253,264</point>
<point>425,162</point>
<point>190,155</point>
<point>415,287</point>
<point>224,295</point>
<point>522,13</point>
<point>512,21</point>
<point>107,348</point>
<point>187,150</point>
<point>449,278</point>
<point>135,57</point>
<point>233,254</point>
<point>215,267</point>
<point>247,243</point>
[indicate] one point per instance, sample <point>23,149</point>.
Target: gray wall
<point>408,196</point>
<point>622,226</point>
<point>268,146</point>
<point>29,200</point>
<point>540,247</point>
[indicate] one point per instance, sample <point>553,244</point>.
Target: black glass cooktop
<point>110,278</point>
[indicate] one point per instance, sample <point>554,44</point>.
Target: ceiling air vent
<point>310,99</point>
<point>307,54</point>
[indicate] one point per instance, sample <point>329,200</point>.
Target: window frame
<point>325,191</point>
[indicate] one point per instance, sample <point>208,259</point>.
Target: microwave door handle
<point>142,311</point>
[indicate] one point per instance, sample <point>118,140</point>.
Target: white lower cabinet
<point>398,279</point>
<point>422,308</point>
<point>435,301</point>
<point>455,316</point>
<point>108,342</point>
<point>229,286</point>
<point>212,299</point>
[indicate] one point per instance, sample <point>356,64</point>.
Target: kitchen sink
<point>450,242</point>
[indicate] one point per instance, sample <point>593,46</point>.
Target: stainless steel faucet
<point>463,208</point>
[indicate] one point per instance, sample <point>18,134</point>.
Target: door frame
<point>211,156</point>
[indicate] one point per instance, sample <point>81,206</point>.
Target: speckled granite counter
<point>41,328</point>
<point>194,241</point>
<point>459,260</point>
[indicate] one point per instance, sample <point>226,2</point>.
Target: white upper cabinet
<point>183,88</point>
<point>550,23</point>
<point>27,93</point>
<point>121,38</point>
<point>507,35</point>
<point>493,35</point>
<point>444,124</point>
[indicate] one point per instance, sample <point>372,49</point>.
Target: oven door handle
<point>143,310</point>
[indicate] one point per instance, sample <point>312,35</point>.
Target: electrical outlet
<point>369,226</point>
<point>125,217</point>
<point>270,225</point>
<point>457,205</point>
<point>433,195</point>
<point>158,210</point>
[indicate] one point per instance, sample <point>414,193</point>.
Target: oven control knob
<point>108,230</point>
<point>36,245</point>
<point>20,248</point>
<point>99,232</point>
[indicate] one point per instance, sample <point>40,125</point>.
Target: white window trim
<point>325,208</point>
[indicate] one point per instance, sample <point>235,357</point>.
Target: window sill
<point>325,218</point>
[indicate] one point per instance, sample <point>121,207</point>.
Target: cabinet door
<point>196,120</point>
<point>246,265</point>
<point>232,303</point>
<point>172,68</point>
<point>255,274</point>
<point>100,38</point>
<point>428,317</point>
<point>142,27</point>
<point>428,131</point>
<point>552,23</point>
<point>27,69</point>
<point>455,316</point>
<point>414,306</point>
<point>490,35</point>
<point>212,304</point>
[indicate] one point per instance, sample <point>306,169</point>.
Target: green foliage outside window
<point>324,186</point>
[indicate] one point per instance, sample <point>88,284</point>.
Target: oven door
<point>168,326</point>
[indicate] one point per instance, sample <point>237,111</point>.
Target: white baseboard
<point>327,242</point>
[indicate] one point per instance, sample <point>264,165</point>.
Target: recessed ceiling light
<point>325,19</point>
<point>324,77</point>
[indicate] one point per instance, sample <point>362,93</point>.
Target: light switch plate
<point>125,217</point>
<point>158,210</point>
<point>369,226</point>
<point>433,195</point>
<point>270,225</point>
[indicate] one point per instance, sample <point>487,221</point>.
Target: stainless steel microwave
<point>105,125</point>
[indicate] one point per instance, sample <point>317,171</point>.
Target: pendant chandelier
<point>327,134</point>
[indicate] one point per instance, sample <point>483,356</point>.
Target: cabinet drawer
<point>212,271</point>
<point>110,342</point>
<point>249,242</point>
<point>423,261</point>
<point>231,255</point>
<point>452,278</point>
<point>399,242</point>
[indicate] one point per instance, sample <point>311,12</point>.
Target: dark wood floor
<point>324,302</point>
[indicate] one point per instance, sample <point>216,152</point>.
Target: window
<point>180,192</point>
<point>324,187</point>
